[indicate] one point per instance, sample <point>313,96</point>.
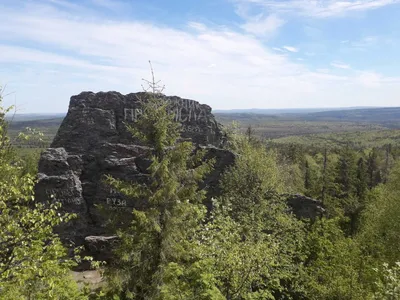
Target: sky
<point>225,53</point>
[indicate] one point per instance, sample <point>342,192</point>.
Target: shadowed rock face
<point>92,142</point>
<point>304,207</point>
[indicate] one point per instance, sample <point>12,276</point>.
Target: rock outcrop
<point>93,141</point>
<point>304,207</point>
<point>99,117</point>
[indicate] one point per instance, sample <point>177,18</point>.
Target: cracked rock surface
<point>92,142</point>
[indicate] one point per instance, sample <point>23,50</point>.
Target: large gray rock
<point>99,117</point>
<point>305,207</point>
<point>93,141</point>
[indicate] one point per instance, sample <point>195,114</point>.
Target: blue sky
<point>226,53</point>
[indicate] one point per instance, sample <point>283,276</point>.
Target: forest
<point>249,246</point>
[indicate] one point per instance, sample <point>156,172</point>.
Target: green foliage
<point>254,174</point>
<point>374,175</point>
<point>233,136</point>
<point>388,283</point>
<point>157,128</point>
<point>248,262</point>
<point>313,181</point>
<point>248,246</point>
<point>362,183</point>
<point>194,281</point>
<point>31,137</point>
<point>346,174</point>
<point>29,158</point>
<point>246,249</point>
<point>381,220</point>
<point>335,268</point>
<point>251,240</point>
<point>158,245</point>
<point>33,262</point>
<point>338,135</point>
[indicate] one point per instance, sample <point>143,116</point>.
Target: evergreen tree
<point>313,178</point>
<point>295,153</point>
<point>334,268</point>
<point>374,177</point>
<point>346,173</point>
<point>328,187</point>
<point>250,133</point>
<point>381,220</point>
<point>156,258</point>
<point>324,175</point>
<point>388,162</point>
<point>307,178</point>
<point>362,182</point>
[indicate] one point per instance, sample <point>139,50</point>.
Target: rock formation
<point>93,141</point>
<point>304,207</point>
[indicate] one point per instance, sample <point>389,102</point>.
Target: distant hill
<point>389,116</point>
<point>33,117</point>
<point>385,115</point>
<point>36,123</point>
<point>281,123</point>
<point>381,115</point>
<point>279,111</point>
<point>304,123</point>
<point>48,127</point>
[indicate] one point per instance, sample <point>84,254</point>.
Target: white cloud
<point>364,43</point>
<point>340,65</point>
<point>316,8</point>
<point>47,57</point>
<point>64,4</point>
<point>278,49</point>
<point>324,70</point>
<point>108,4</point>
<point>261,25</point>
<point>27,55</point>
<point>290,49</point>
<point>370,79</point>
<point>197,26</point>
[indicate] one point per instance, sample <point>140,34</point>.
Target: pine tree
<point>307,178</point>
<point>156,259</point>
<point>374,177</point>
<point>388,162</point>
<point>335,267</point>
<point>346,173</point>
<point>381,220</point>
<point>324,175</point>
<point>362,184</point>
